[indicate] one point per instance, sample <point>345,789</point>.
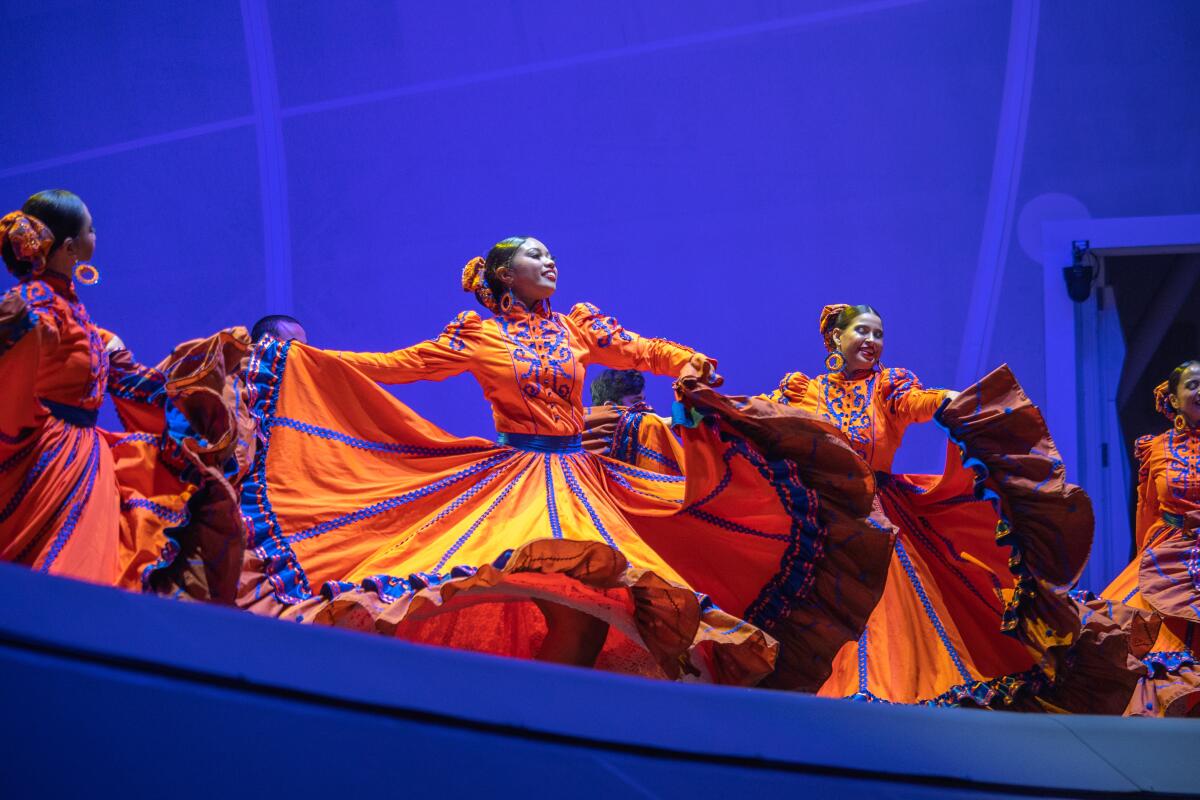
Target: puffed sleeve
<point>28,328</point>
<point>612,346</point>
<point>1148,511</point>
<point>791,390</point>
<point>907,399</point>
<point>433,360</point>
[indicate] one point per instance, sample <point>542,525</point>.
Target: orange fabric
<point>66,509</point>
<point>873,411</point>
<point>636,436</point>
<point>367,516</point>
<point>937,635</point>
<point>1162,577</point>
<point>544,350</point>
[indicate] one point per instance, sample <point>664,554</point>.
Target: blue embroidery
<point>542,345</point>
<point>375,509</point>
<point>850,406</point>
<point>88,480</point>
<point>930,612</point>
<point>607,327</point>
<point>551,503</point>
<point>575,488</point>
<point>454,330</point>
<point>364,444</point>
<point>462,540</point>
<point>177,517</point>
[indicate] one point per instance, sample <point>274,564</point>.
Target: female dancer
<point>978,550</point>
<point>365,515</point>
<point>1164,577</point>
<point>74,500</point>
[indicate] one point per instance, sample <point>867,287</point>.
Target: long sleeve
<point>907,399</point>
<point>433,360</point>
<point>610,345</point>
<point>1148,511</point>
<point>791,390</point>
<point>25,332</point>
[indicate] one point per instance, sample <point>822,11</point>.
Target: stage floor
<point>109,693</point>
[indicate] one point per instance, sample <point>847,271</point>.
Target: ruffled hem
<point>1168,573</point>
<point>1005,692</point>
<point>1045,522</point>
<point>202,556</point>
<point>684,632</point>
<point>833,573</point>
<point>1172,689</point>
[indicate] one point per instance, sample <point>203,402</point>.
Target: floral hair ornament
<point>835,361</point>
<point>473,281</point>
<point>1162,402</point>
<point>29,239</point>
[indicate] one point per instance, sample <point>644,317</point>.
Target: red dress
<point>368,516</point>
<point>974,611</point>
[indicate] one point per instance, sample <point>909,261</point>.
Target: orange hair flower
<point>828,316</point>
<point>29,239</point>
<point>1162,400</point>
<point>473,280</point>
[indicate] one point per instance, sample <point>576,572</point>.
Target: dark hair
<point>62,211</point>
<point>59,210</point>
<point>271,324</point>
<point>1177,375</point>
<point>843,318</point>
<point>500,255</point>
<point>613,384</point>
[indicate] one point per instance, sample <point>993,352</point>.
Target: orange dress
<point>1164,577</point>
<point>968,615</point>
<point>111,508</point>
<point>367,516</point>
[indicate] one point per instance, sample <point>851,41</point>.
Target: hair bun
<point>29,240</point>
<point>472,275</point>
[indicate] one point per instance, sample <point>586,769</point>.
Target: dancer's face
<point>532,274</point>
<point>861,343</point>
<point>1186,399</point>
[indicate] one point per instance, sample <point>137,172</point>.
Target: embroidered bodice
<point>873,412</point>
<point>57,354</point>
<point>530,363</point>
<point>1168,477</point>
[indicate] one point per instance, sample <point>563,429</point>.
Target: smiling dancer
<point>367,516</point>
<point>974,610</point>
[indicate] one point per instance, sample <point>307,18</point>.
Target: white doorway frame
<point>1066,368</point>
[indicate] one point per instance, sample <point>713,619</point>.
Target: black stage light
<point>1079,276</point>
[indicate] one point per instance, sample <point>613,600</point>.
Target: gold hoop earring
<point>87,274</point>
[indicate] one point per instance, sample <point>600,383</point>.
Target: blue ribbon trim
<point>541,443</point>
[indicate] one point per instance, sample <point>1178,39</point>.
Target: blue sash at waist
<point>540,443</point>
<point>72,415</point>
<point>1179,521</point>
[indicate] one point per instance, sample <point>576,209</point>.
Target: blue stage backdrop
<point>707,171</point>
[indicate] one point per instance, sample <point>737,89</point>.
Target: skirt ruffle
<point>1159,586</point>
